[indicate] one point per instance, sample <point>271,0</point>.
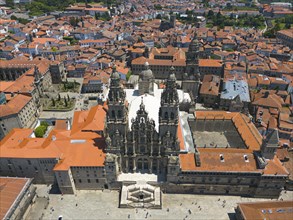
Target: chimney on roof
<point>197,159</point>
<point>266,94</point>
<point>222,158</point>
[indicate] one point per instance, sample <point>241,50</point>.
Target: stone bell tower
<point>117,115</point>
<point>270,144</point>
<point>192,58</point>
<point>168,116</point>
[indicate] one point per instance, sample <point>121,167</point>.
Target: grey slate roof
<point>235,87</point>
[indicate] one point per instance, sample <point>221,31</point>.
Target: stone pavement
<point>145,177</point>
<point>104,205</point>
<point>51,115</point>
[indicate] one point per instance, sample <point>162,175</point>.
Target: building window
<point>88,180</point>
<point>79,180</point>
<point>166,115</point>
<point>119,114</point>
<point>97,180</point>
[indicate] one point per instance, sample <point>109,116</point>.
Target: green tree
<point>287,26</point>
<point>128,75</point>
<point>13,17</point>
<point>20,20</point>
<point>96,16</point>
<point>45,124</point>
<point>105,17</point>
<point>159,16</point>
<point>65,102</point>
<point>206,3</point>
<point>219,15</point>
<point>40,131</point>
<point>53,102</point>
<point>73,21</point>
<point>158,7</point>
<point>9,3</point>
<point>210,13</point>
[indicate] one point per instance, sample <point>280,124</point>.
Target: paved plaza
<point>210,139</point>
<point>104,205</point>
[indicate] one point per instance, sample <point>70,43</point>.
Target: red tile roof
<point>81,146</point>
<point>11,188</point>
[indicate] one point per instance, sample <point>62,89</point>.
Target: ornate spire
<point>116,93</point>
<point>115,75</point>
<point>172,76</point>
<point>194,44</point>
<point>192,59</point>
<point>36,73</point>
<point>141,108</point>
<point>170,95</point>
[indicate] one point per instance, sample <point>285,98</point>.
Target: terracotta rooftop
<point>210,85</point>
<point>245,128</point>
<point>15,105</point>
<point>210,161</point>
<point>10,189</point>
<point>81,146</point>
<point>229,160</point>
<point>272,210</point>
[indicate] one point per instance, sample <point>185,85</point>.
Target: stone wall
<point>39,169</point>
<point>244,184</point>
<point>87,178</point>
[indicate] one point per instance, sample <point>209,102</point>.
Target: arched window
<point>139,164</point>
<point>145,164</point>
<point>166,115</point>
<point>172,115</point>
<point>113,114</point>
<point>119,114</point>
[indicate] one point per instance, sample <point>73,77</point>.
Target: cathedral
<point>142,123</point>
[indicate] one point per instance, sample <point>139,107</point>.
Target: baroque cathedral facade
<point>138,143</point>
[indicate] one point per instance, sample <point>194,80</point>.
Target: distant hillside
<point>38,7</point>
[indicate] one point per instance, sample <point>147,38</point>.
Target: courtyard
<point>210,139</point>
<point>104,205</point>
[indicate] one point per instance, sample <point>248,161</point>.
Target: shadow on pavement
<point>54,189</point>
<point>232,216</point>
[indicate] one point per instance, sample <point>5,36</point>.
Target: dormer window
<point>245,158</point>
<point>222,158</point>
